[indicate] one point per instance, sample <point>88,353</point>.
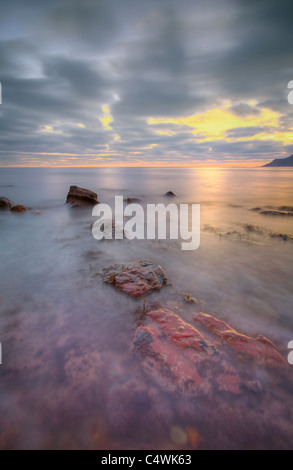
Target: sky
<point>145,82</point>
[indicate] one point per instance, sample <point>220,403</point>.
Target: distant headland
<point>281,162</point>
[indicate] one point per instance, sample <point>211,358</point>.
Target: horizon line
<point>160,165</point>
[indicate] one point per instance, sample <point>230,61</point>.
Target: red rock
<point>181,334</point>
<point>18,209</point>
<point>260,349</point>
<point>229,383</point>
<point>135,279</point>
<point>6,203</point>
<point>178,357</point>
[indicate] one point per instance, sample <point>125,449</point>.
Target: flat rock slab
<point>135,279</point>
<point>79,197</point>
<point>178,357</point>
<point>276,213</point>
<point>259,349</point>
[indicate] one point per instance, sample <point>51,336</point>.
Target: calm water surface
<point>69,378</point>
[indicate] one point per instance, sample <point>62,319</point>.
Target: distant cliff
<point>281,162</point>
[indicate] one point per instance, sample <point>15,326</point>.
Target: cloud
<point>214,124</point>
<point>164,68</point>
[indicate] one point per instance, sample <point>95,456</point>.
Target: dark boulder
<point>132,200</point>
<point>18,209</point>
<point>171,194</point>
<point>6,203</point>
<point>79,197</point>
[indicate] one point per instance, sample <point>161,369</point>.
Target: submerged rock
<point>135,279</point>
<point>178,357</point>
<point>260,349</point>
<point>18,209</point>
<point>276,212</point>
<point>133,200</point>
<point>6,203</point>
<point>79,197</point>
<point>282,236</point>
<point>195,438</point>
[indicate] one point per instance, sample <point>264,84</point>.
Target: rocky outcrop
<point>79,197</point>
<point>18,209</point>
<point>259,349</point>
<point>135,279</point>
<point>179,357</point>
<point>276,212</point>
<point>281,162</point>
<point>6,204</point>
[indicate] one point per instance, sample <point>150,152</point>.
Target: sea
<point>69,378</point>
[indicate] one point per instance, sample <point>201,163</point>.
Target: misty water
<point>68,377</point>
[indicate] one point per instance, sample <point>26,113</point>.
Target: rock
<point>6,203</point>
<point>282,236</point>
<point>194,437</point>
<point>135,279</point>
<point>229,383</point>
<point>190,300</point>
<point>79,197</point>
<point>253,386</point>
<point>111,231</point>
<point>275,213</point>
<point>133,200</point>
<point>178,436</point>
<point>285,208</point>
<point>171,194</point>
<point>252,229</point>
<point>134,408</point>
<point>178,358</point>
<point>260,349</point>
<point>18,209</point>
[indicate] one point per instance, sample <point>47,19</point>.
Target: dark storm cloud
<point>61,61</point>
<point>261,60</point>
<point>78,76</point>
<point>247,131</point>
<point>243,110</point>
